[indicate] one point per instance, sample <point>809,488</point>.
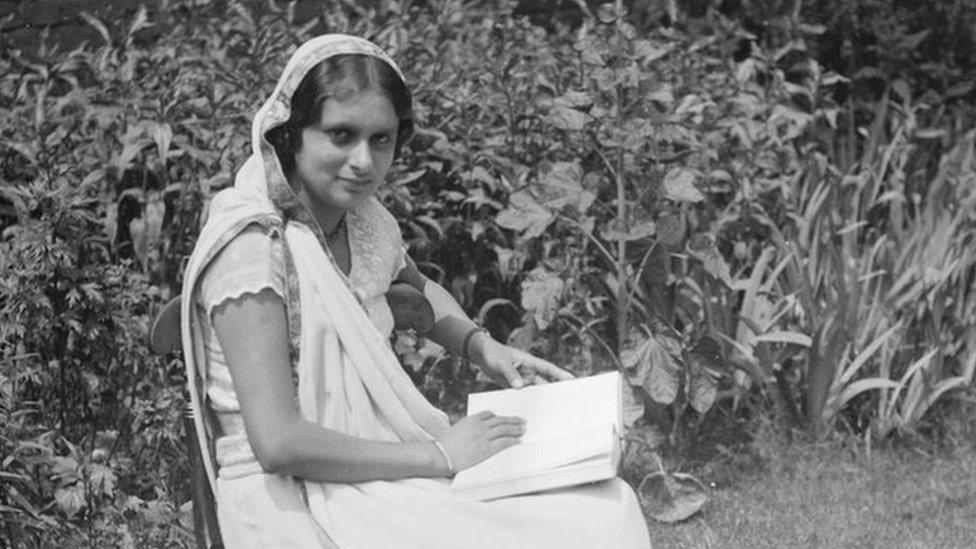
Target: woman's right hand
<point>475,438</point>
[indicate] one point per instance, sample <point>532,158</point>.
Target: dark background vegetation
<point>758,210</point>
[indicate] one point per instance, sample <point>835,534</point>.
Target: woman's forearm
<point>311,452</point>
<point>452,325</point>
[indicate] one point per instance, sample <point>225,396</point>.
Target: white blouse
<point>255,260</point>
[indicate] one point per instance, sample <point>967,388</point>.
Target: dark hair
<point>339,77</point>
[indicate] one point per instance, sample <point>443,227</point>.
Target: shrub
<point>714,213</point>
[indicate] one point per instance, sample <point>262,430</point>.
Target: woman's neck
<point>328,216</point>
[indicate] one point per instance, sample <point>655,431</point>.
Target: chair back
<point>165,338</point>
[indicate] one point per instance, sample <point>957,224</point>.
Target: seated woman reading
<point>324,441</point>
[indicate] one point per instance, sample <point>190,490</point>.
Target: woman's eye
<point>340,136</point>
<point>382,140</point>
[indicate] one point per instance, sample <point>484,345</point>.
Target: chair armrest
<point>411,310</point>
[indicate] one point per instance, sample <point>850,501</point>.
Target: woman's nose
<point>361,157</point>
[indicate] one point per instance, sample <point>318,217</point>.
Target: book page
<point>566,422</point>
<point>540,455</point>
<point>557,408</point>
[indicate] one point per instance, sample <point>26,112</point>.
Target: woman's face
<point>344,158</point>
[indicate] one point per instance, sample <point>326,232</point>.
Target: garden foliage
<point>726,216</point>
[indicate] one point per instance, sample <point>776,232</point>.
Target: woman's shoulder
<point>254,238</point>
<point>250,261</point>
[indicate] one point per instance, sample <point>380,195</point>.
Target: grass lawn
<point>834,494</point>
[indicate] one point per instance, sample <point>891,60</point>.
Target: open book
<point>572,431</point>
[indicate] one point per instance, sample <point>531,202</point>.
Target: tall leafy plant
<point>625,195</point>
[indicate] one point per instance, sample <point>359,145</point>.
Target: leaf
<point>425,138</point>
<point>633,407</point>
<point>814,30</point>
<point>26,149</point>
<point>154,213</point>
<point>702,247</point>
<point>679,185</point>
<point>916,367</point>
<point>632,358</point>
<point>858,387</point>
<point>913,41</point>
<point>635,231</point>
<point>746,70</point>
<point>71,499</point>
<point>163,136</point>
<point>524,215</point>
<point>940,388</point>
<point>789,47</point>
<point>140,22</point>
<point>574,99</point>
<point>97,24</point>
<point>562,186</point>
<point>671,229</point>
<point>702,390</point>
<point>102,478</point>
<point>671,497</point>
<point>510,262</point>
<point>960,89</point>
<point>902,88</point>
<point>137,231</point>
<point>929,133</point>
<point>606,13</point>
<point>64,467</point>
<point>703,358</point>
<point>431,227</point>
<point>862,357</point>
<point>566,118</point>
<point>654,275</point>
<point>130,150</point>
<point>541,293</point>
<point>831,78</point>
<point>649,53</point>
<point>664,377</point>
<point>707,353</point>
<point>666,335</point>
<point>783,336</point>
<point>788,123</point>
<point>865,73</point>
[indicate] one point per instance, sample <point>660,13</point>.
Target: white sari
<point>349,380</point>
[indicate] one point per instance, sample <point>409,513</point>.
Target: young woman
<point>321,438</point>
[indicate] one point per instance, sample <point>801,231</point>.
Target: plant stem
<point>599,245</point>
<point>583,327</point>
<point>620,262</point>
<point>623,294</point>
<point>660,465</point>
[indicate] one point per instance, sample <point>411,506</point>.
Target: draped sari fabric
<point>349,380</point>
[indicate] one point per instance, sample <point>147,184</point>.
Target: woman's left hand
<point>513,367</point>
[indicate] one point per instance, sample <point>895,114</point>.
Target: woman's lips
<point>357,185</point>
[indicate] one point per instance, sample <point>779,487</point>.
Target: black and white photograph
<point>487,274</point>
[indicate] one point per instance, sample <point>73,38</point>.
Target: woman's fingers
<point>512,376</point>
<point>479,436</point>
<point>544,369</point>
<point>506,430</point>
<point>499,444</point>
<point>484,414</point>
<point>535,379</point>
<point>505,420</point>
